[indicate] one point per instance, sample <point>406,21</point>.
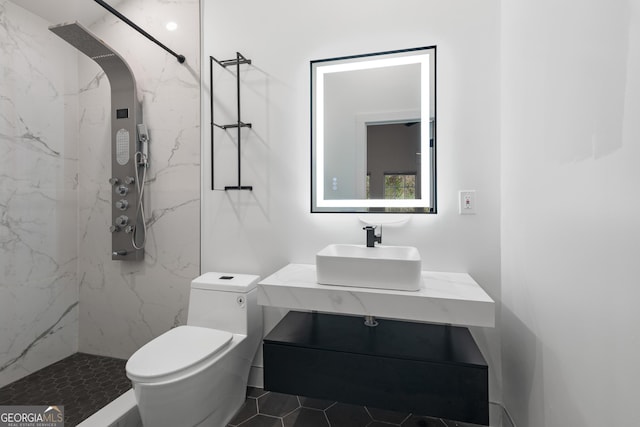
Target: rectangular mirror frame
<point>426,57</point>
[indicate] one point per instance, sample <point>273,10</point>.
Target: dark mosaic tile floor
<point>268,409</point>
<point>83,383</point>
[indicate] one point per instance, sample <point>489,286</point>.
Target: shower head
<point>117,70</point>
<point>80,38</point>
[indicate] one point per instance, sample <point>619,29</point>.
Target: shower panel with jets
<point>129,143</point>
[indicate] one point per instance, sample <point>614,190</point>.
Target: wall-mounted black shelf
<point>239,124</point>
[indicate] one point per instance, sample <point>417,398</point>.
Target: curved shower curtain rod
<point>179,57</point>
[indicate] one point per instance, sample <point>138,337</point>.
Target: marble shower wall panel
<point>38,205</point>
<point>126,304</point>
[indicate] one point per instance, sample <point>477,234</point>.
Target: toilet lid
<point>175,350</point>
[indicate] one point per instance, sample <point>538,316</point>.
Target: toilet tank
<point>225,301</point>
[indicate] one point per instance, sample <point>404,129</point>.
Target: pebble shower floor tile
<point>82,383</point>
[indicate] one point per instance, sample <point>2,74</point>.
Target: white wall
<point>261,231</point>
<point>570,228</point>
<point>38,204</point>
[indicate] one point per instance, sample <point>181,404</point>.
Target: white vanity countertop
<point>451,298</point>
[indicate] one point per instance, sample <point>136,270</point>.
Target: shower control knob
<point>122,220</point>
<point>129,180</point>
<point>122,190</point>
<point>128,229</point>
<point>114,181</point>
<point>122,204</point>
<point>114,228</point>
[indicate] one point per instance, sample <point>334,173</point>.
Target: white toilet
<point>196,375</point>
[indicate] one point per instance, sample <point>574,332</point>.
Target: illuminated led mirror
<point>373,132</point>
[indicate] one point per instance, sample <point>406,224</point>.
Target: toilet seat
<point>175,351</point>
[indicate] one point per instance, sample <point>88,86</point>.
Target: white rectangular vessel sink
<point>380,267</point>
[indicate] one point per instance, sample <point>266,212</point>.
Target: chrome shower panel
<point>126,114</point>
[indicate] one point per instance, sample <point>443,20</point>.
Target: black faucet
<point>372,237</point>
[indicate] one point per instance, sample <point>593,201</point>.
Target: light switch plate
<point>467,202</point>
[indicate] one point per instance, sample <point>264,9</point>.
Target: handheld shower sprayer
<point>142,163</point>
<point>143,137</point>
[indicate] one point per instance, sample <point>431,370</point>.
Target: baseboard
<point>256,377</point>
<point>506,420</point>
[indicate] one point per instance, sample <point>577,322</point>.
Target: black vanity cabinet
<point>425,369</point>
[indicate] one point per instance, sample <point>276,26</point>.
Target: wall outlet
<point>467,199</point>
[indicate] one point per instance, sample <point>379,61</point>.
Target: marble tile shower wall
<point>124,305</point>
<point>59,289</point>
<point>38,204</point>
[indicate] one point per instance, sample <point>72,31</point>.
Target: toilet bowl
<point>196,375</point>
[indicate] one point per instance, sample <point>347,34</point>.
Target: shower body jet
<point>127,226</point>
